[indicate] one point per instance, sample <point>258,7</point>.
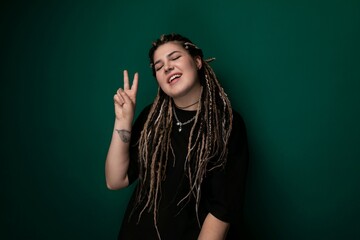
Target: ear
<point>198,62</point>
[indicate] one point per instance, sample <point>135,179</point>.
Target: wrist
<point>125,125</point>
<point>124,135</point>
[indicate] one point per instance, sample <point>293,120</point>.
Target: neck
<point>192,106</point>
<point>190,101</point>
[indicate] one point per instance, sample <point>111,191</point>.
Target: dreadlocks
<point>208,140</point>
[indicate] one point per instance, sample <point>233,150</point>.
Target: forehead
<point>167,48</point>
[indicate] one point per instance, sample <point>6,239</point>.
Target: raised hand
<point>125,99</point>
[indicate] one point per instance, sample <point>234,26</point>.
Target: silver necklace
<point>180,124</point>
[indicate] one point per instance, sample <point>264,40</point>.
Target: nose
<point>168,67</point>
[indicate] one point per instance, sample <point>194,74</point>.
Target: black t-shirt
<point>222,190</point>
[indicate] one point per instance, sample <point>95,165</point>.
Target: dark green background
<point>291,68</point>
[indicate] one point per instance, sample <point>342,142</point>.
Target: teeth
<point>173,77</point>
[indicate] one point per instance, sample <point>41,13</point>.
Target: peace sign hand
<point>125,100</point>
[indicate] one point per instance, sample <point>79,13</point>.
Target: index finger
<point>126,80</point>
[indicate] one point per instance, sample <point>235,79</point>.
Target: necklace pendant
<point>180,126</point>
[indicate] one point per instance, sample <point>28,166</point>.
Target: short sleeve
<point>133,170</point>
<point>225,186</point>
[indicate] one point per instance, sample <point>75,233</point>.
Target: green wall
<point>291,68</point>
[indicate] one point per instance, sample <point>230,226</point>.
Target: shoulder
<point>238,141</point>
<point>238,124</point>
<point>238,151</point>
<point>142,116</point>
<point>140,120</point>
<point>145,110</point>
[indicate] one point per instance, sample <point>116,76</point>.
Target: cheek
<point>158,77</point>
<point>190,65</point>
<point>160,81</point>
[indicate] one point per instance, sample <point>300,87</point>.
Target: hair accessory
<point>210,59</point>
<point>187,44</point>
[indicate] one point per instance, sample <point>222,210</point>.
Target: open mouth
<point>174,77</point>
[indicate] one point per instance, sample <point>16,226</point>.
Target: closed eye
<point>158,67</point>
<point>172,56</point>
<point>176,57</point>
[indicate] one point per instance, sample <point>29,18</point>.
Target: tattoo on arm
<point>124,135</point>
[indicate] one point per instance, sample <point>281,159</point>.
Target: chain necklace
<point>187,105</point>
<point>180,124</point>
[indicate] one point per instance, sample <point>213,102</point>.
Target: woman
<point>188,150</point>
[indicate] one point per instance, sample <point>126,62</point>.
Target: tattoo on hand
<point>124,135</point>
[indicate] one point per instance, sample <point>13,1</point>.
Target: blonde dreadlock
<point>208,140</point>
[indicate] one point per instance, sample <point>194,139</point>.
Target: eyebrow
<point>169,55</point>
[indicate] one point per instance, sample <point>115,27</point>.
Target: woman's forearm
<point>213,229</point>
<point>117,160</point>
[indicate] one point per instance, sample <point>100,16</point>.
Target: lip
<point>168,80</point>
